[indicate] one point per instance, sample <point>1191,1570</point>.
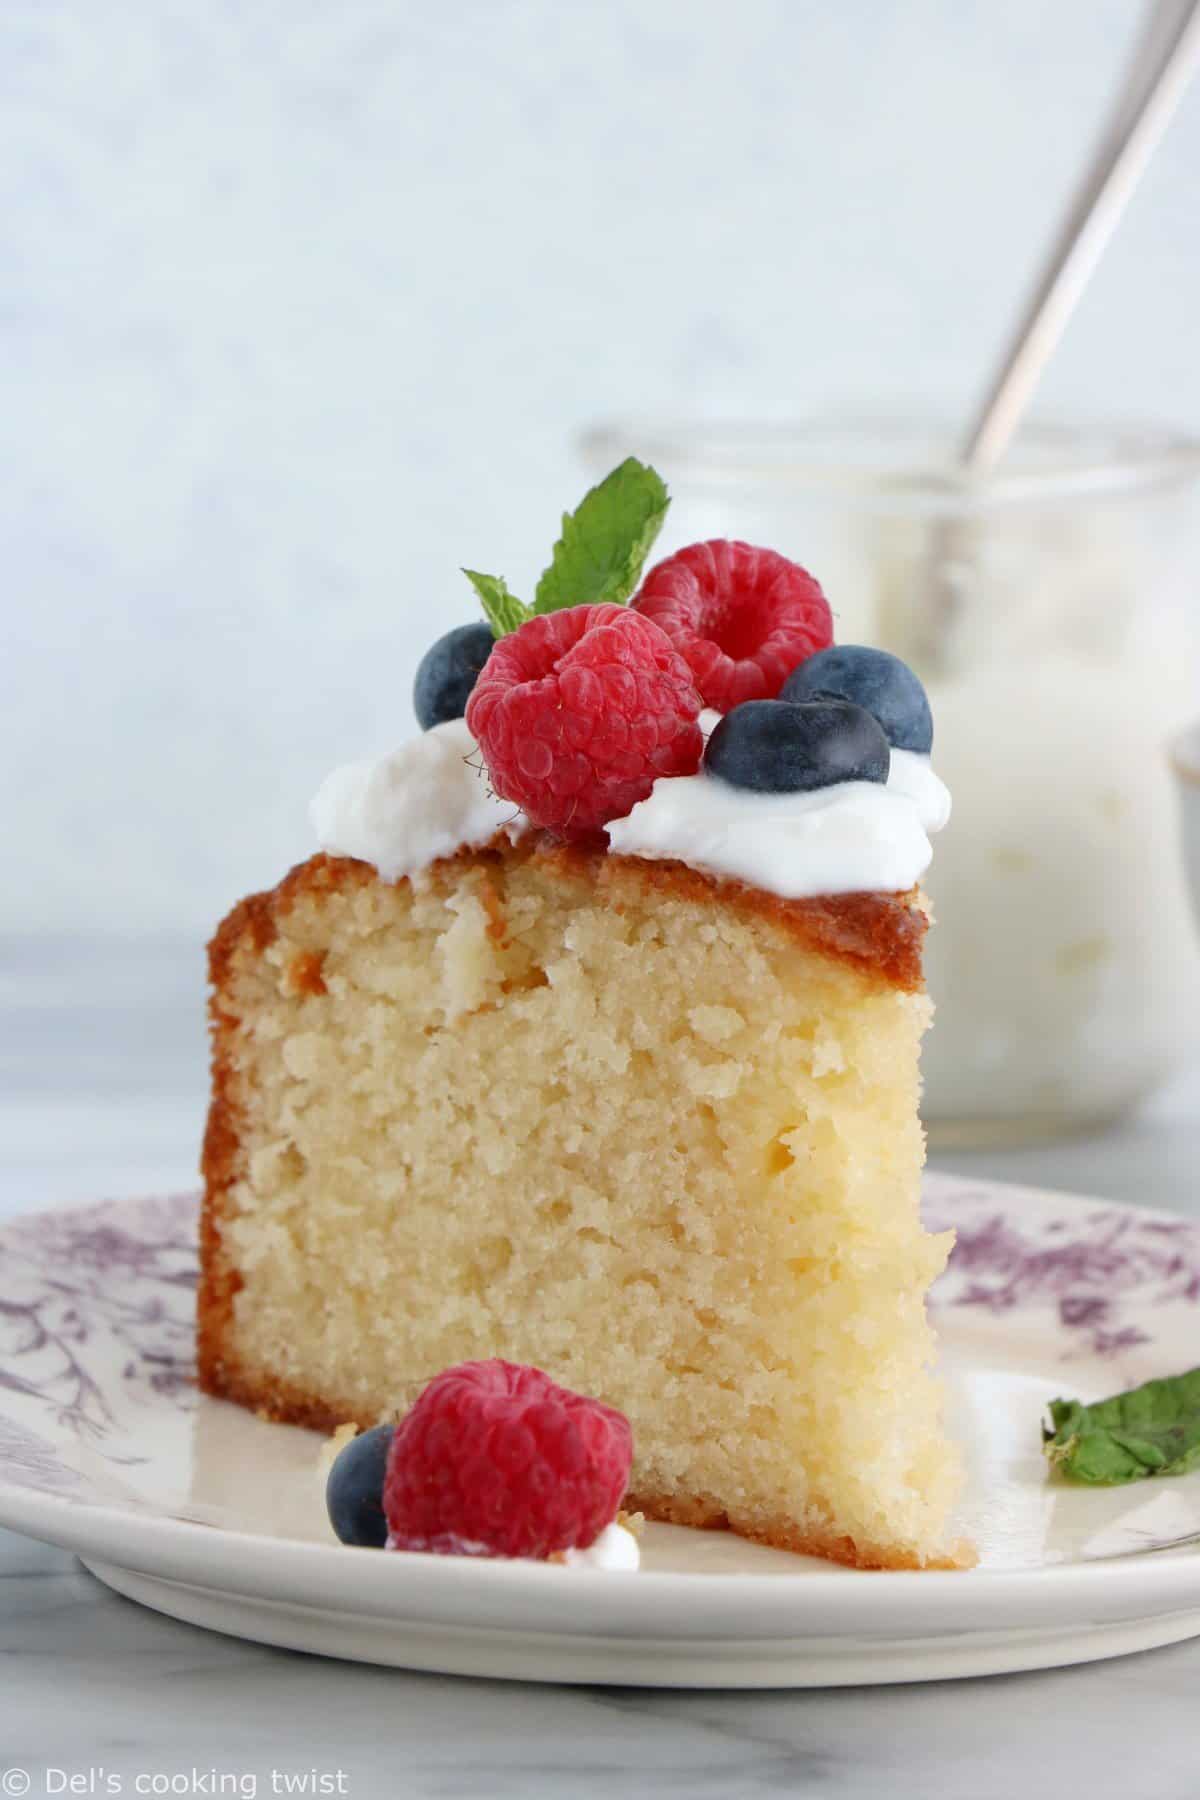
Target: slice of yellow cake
<point>653,1132</point>
<point>591,1041</point>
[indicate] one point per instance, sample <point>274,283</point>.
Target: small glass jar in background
<point>1051,613</point>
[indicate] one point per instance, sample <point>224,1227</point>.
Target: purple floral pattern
<point>96,1322</point>
<point>1105,1273</point>
<point>27,1460</point>
<point>97,1311</point>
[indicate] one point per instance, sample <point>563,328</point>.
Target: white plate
<point>207,1513</point>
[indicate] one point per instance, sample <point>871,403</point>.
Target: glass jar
<point>1051,613</point>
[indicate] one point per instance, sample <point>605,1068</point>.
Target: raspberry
<point>578,713</point>
<point>495,1459</point>
<point>741,618</point>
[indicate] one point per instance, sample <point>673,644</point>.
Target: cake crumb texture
<point>629,1125</point>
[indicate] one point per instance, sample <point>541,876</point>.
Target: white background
<point>302,303</point>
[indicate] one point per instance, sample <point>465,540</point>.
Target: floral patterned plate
<point>210,1514</point>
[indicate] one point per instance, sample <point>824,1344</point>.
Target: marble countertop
<point>96,1688</point>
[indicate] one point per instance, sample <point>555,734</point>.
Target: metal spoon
<point>1165,59</point>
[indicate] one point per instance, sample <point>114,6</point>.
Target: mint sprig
<point>599,556</point>
<point>606,540</point>
<point>1149,1430</point>
<point>504,611</point>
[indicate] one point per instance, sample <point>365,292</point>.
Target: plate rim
<point>557,1657</point>
<point>443,1589</point>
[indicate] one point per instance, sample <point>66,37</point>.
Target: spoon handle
<point>1166,59</point>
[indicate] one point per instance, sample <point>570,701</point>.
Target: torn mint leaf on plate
<point>1150,1430</point>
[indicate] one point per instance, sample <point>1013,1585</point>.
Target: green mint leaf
<point>504,611</point>
<point>605,541</point>
<point>1150,1430</point>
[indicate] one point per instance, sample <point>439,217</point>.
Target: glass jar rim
<point>909,459</point>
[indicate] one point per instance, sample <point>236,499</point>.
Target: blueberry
<point>871,678</point>
<point>448,671</point>
<point>775,747</point>
<point>354,1491</point>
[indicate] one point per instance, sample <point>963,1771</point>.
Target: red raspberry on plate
<point>495,1459</point>
<point>578,713</point>
<point>741,618</point>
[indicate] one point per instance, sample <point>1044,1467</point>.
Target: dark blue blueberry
<point>354,1491</point>
<point>871,678</point>
<point>775,747</point>
<point>448,671</point>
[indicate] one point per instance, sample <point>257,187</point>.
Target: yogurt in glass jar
<point>1050,614</point>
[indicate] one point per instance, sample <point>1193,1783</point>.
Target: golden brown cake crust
<point>702,1514</point>
<point>879,935</point>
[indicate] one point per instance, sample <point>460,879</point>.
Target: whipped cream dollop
<point>403,811</point>
<point>432,797</point>
<point>615,1548</point>
<point>849,838</point>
